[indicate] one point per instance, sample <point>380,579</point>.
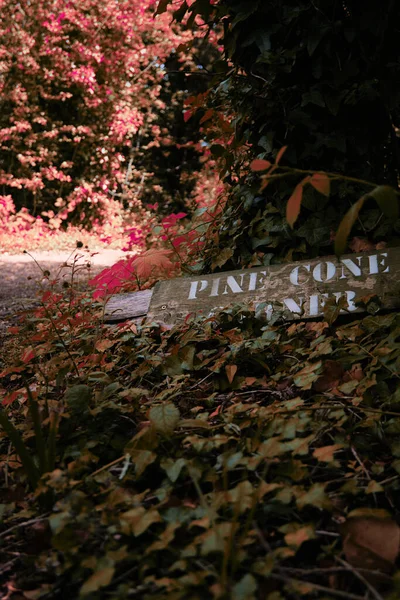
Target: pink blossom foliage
<point>80,81</point>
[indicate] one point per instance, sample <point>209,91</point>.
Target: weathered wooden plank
<point>128,306</point>
<point>300,288</point>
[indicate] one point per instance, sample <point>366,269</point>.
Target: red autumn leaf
<point>10,398</point>
<point>28,354</point>
<point>152,260</point>
<point>280,154</point>
<point>207,115</point>
<point>216,412</point>
<point>321,183</point>
<point>260,165</point>
<point>187,115</point>
<point>294,204</point>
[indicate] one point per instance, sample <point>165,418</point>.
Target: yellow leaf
<point>296,538</point>
<point>97,580</point>
<point>326,453</point>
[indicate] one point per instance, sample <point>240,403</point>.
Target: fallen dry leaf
<point>371,541</point>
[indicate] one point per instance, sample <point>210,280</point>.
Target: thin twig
<point>24,524</point>
<point>357,574</point>
<point>317,587</point>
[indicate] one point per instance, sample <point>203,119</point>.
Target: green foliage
<point>320,78</point>
<point>226,458</point>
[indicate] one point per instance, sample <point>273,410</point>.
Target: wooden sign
<point>296,290</point>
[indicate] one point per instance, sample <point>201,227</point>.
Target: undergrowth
<point>221,458</point>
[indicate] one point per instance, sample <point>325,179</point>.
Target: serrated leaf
<point>164,417</point>
<point>321,183</point>
<point>150,261</point>
<point>387,199</point>
<point>259,164</point>
<point>294,204</point>
<point>346,225</point>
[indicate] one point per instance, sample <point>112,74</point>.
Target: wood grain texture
<point>300,289</point>
<point>128,306</point>
<point>296,290</point>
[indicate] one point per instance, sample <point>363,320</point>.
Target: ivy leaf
<point>387,199</point>
<point>173,467</point>
<point>260,165</point>
<point>138,520</point>
<point>100,578</point>
<point>222,258</point>
<point>345,226</point>
<point>321,183</point>
<point>301,535</point>
<point>306,377</point>
<point>326,454</point>
<point>164,417</point>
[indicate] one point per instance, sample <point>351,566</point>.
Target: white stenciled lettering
<point>294,275</point>
<point>215,287</point>
<point>329,274</point>
<point>253,282</point>
<point>350,297</point>
<point>374,264</point>
<point>261,276</point>
<point>193,288</point>
<point>293,306</point>
<point>317,303</point>
<point>233,284</point>
<point>351,266</point>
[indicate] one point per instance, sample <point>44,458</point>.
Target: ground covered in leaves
<point>222,458</point>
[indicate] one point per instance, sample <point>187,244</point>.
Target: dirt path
<point>21,277</point>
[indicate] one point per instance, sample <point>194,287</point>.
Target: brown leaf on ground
<point>371,541</point>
